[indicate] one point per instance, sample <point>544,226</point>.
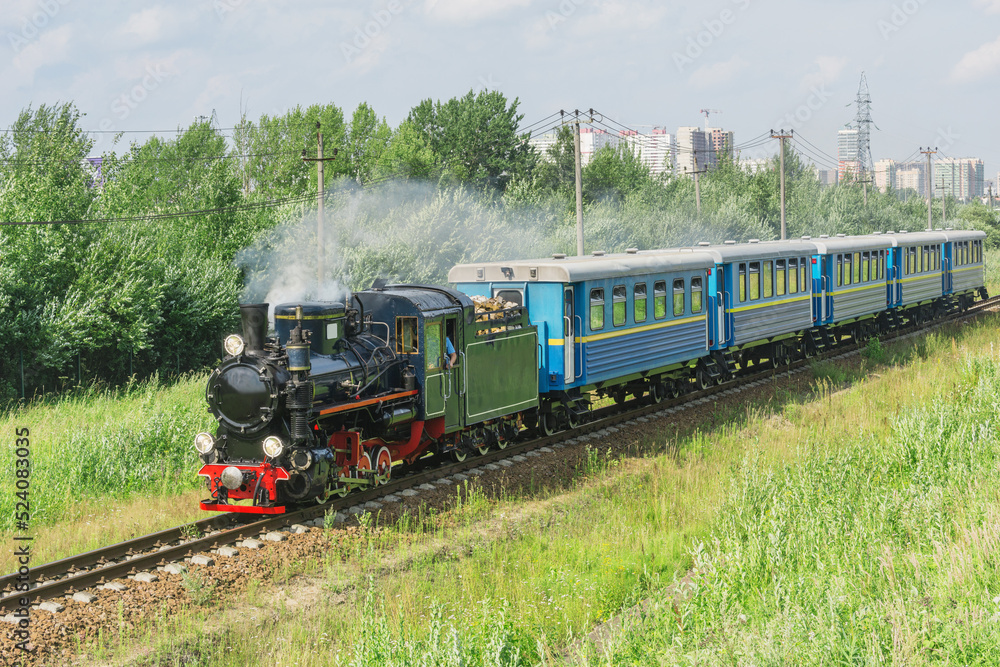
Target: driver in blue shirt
<point>450,358</point>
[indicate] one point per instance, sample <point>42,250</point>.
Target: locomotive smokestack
<point>254,316</point>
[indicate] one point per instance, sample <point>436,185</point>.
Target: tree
<point>367,142</point>
<point>476,137</point>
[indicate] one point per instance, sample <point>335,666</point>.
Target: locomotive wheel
<point>383,466</point>
<point>547,423</point>
<point>657,392</point>
<point>364,463</point>
<point>459,455</point>
<point>572,419</point>
<point>482,451</point>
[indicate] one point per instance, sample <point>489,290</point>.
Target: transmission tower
<point>863,122</point>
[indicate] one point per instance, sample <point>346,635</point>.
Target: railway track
<point>100,566</point>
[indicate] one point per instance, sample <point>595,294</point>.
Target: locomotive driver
<point>450,357</point>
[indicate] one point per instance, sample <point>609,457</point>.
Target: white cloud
<point>471,11</point>
<point>51,48</point>
<point>825,69</point>
<point>718,73</point>
<point>991,6</point>
<point>979,63</point>
<point>153,24</point>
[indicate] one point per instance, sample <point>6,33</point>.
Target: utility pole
<point>930,187</point>
<point>320,217</point>
<point>782,136</point>
<point>944,197</point>
<point>579,188</point>
<point>579,172</point>
<point>697,188</point>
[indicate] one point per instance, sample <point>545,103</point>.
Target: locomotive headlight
<point>234,344</point>
<point>273,446</point>
<point>204,443</point>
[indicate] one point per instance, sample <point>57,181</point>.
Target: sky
<point>931,66</point>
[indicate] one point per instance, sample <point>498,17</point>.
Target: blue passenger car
<point>964,275</point>
<point>850,285</point>
<point>621,323</point>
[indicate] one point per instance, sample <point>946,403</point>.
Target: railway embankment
<point>845,510</point>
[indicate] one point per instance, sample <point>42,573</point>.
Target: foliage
<point>476,137</point>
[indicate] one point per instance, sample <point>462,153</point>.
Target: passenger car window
<point>678,297</point>
<point>618,298</point>
<point>753,286</point>
<point>639,308</point>
<point>597,308</point>
<point>768,278</point>
<point>743,282</point>
<point>696,295</point>
<point>793,276</point>
<point>804,282</point>
<point>779,277</point>
<point>660,299</point>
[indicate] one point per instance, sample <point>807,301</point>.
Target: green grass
<point>851,524</point>
<point>105,445</point>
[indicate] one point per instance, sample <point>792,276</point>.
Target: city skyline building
<point>961,178</point>
<point>848,164</point>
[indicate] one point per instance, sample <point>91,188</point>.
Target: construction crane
<point>706,112</point>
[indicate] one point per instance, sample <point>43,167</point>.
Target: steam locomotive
<point>340,395</point>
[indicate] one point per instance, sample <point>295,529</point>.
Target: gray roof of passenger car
<point>587,267</point>
<point>726,253</point>
<point>964,234</point>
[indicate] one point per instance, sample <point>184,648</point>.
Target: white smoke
<point>402,231</point>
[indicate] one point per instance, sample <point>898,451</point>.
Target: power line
<point>249,206</point>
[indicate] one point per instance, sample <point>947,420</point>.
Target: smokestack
<point>254,316</point>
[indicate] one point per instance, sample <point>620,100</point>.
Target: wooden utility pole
<point>930,187</point>
<point>320,212</point>
<point>782,136</point>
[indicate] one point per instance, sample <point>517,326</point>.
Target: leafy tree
<point>367,142</point>
<point>476,137</point>
<point>43,176</point>
<point>269,153</point>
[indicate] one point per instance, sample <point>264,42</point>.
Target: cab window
<point>406,335</point>
<point>432,345</point>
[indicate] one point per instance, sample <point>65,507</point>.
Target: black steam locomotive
<point>339,395</point>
